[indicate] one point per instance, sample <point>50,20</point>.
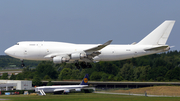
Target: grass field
<point>85,97</point>
<point>155,90</point>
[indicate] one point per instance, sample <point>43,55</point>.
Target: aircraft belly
<point>48,90</point>
<point>114,55</point>
<point>121,53</point>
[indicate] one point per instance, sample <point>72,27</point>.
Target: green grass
<point>85,97</point>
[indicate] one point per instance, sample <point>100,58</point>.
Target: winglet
<point>85,80</point>
<point>107,43</point>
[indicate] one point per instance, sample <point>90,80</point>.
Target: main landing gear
<point>22,64</point>
<point>83,65</point>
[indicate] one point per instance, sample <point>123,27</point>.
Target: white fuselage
<point>59,52</point>
<point>39,50</point>
<point>59,88</point>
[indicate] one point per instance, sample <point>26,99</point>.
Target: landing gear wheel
<point>83,64</point>
<point>89,65</point>
<point>22,65</point>
<point>77,65</point>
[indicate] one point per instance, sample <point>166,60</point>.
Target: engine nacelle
<point>77,56</point>
<point>66,91</point>
<point>60,59</point>
<point>78,90</point>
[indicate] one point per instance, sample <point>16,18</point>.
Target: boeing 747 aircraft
<point>64,88</point>
<point>83,54</point>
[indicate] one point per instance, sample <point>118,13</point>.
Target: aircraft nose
<point>9,51</point>
<point>6,51</point>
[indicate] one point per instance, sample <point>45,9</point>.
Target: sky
<point>85,21</point>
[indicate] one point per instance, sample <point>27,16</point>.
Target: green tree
<point>104,77</point>
<point>13,77</point>
<point>173,74</point>
<point>19,76</point>
<point>96,76</point>
<point>75,74</point>
<point>36,80</point>
<point>46,68</point>
<point>31,75</point>
<point>106,67</point>
<point>141,73</point>
<point>83,72</point>
<point>49,83</point>
<point>157,73</point>
<point>127,71</point>
<point>65,74</point>
<point>4,76</point>
<point>111,77</point>
<point>118,77</point>
<point>46,77</point>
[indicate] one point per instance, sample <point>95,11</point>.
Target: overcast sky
<point>85,21</point>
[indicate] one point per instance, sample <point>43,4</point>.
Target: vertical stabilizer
<point>85,80</point>
<point>159,35</point>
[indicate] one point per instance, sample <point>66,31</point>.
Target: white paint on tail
<point>159,35</point>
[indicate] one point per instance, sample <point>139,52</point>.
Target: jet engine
<point>60,59</point>
<point>78,90</point>
<point>77,56</point>
<point>66,91</point>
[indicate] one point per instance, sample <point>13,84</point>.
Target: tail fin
<point>85,80</point>
<point>159,35</point>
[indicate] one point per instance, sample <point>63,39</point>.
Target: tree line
<point>157,67</point>
<point>7,61</point>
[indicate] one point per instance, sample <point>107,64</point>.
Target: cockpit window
<point>17,44</point>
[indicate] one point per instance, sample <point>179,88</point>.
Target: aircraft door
<point>42,51</point>
<point>25,53</point>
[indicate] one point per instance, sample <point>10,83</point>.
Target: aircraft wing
<point>99,47</point>
<point>92,52</point>
<point>56,90</point>
<point>66,90</point>
<point>56,54</point>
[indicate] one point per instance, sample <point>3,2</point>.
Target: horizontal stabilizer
<point>157,48</point>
